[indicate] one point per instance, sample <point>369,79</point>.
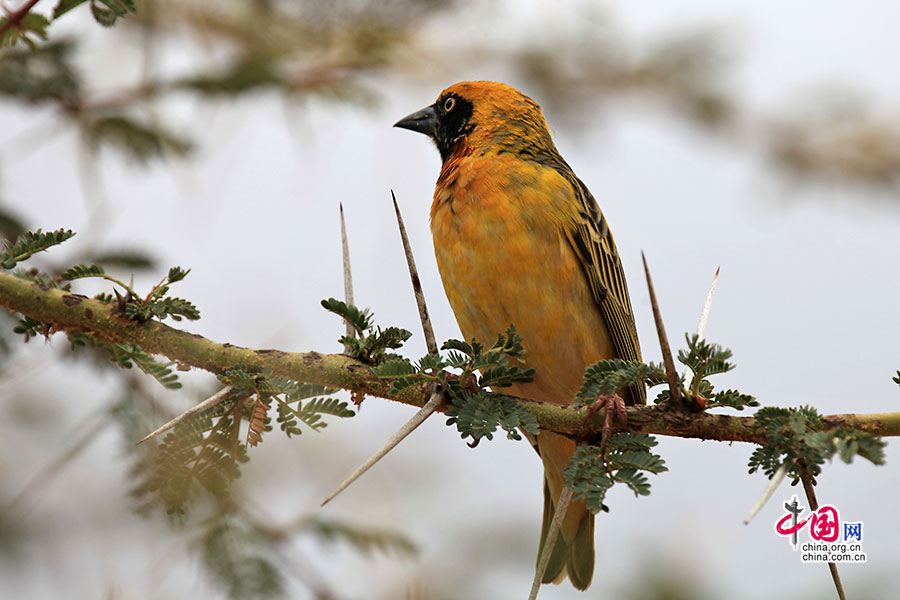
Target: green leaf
<point>199,455</point>
<point>431,362</point>
<point>608,377</point>
<point>637,482</point>
<point>136,260</point>
<point>239,379</point>
<point>372,343</point>
<point>65,6</point>
<point>31,328</point>
<point>897,378</point>
<point>590,474</point>
<point>395,368</point>
<point>240,77</point>
<point>360,320</point>
<point>177,274</point>
<point>141,142</point>
<point>175,308</point>
<point>29,244</point>
<point>509,343</point>
<point>732,399</point>
<point>478,415</point>
<point>240,560</point>
<point>365,540</point>
<point>107,12</point>
<point>797,434</point>
<point>32,25</point>
<point>503,376</point>
<point>705,358</point>
<point>82,271</point>
<point>40,74</point>
<point>158,370</point>
<point>459,346</point>
<point>385,339</point>
<point>402,383</point>
<point>310,411</point>
<point>158,305</point>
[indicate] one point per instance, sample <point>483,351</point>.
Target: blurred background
<point>222,136</point>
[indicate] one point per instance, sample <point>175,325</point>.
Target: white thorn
<point>409,427</point>
<point>701,326</point>
<point>776,480</point>
<point>206,404</point>
<point>348,274</point>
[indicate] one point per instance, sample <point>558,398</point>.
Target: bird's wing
<point>593,243</point>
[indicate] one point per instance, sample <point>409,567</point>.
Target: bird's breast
<point>504,258</point>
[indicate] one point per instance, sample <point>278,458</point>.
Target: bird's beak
<point>423,121</point>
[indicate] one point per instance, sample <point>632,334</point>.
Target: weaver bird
<point>520,240</point>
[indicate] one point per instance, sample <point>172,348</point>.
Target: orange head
<point>482,116</point>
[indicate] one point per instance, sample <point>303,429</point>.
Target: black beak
<point>423,121</point>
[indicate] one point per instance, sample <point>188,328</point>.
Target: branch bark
<point>74,313</point>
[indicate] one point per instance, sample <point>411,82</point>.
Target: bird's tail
<point>573,551</point>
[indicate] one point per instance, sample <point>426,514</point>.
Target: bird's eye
<point>449,103</point>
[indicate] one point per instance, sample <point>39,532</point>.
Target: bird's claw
<point>614,406</point>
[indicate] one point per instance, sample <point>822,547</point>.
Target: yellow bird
<point>520,240</point>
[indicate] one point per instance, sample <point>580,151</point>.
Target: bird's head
<point>480,115</point>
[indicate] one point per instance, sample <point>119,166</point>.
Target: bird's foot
<point>614,406</point>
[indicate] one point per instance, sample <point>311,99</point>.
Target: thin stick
<point>814,506</point>
<point>348,274</point>
<point>205,405</point>
<point>674,389</point>
<point>409,427</point>
<point>430,342</point>
<point>773,484</point>
<point>704,318</point>
<point>562,504</point>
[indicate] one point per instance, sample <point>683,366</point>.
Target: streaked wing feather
<point>594,245</point>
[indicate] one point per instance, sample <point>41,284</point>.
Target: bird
<point>520,240</point>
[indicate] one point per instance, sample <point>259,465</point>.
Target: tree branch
<point>74,313</point>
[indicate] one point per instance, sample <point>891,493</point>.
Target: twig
<point>773,484</point>
<point>348,274</point>
<point>409,427</point>
<point>430,342</point>
<point>562,504</point>
<point>674,389</point>
<point>205,405</point>
<point>15,17</point>
<point>814,506</point>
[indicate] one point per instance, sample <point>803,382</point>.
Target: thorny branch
<point>73,313</point>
